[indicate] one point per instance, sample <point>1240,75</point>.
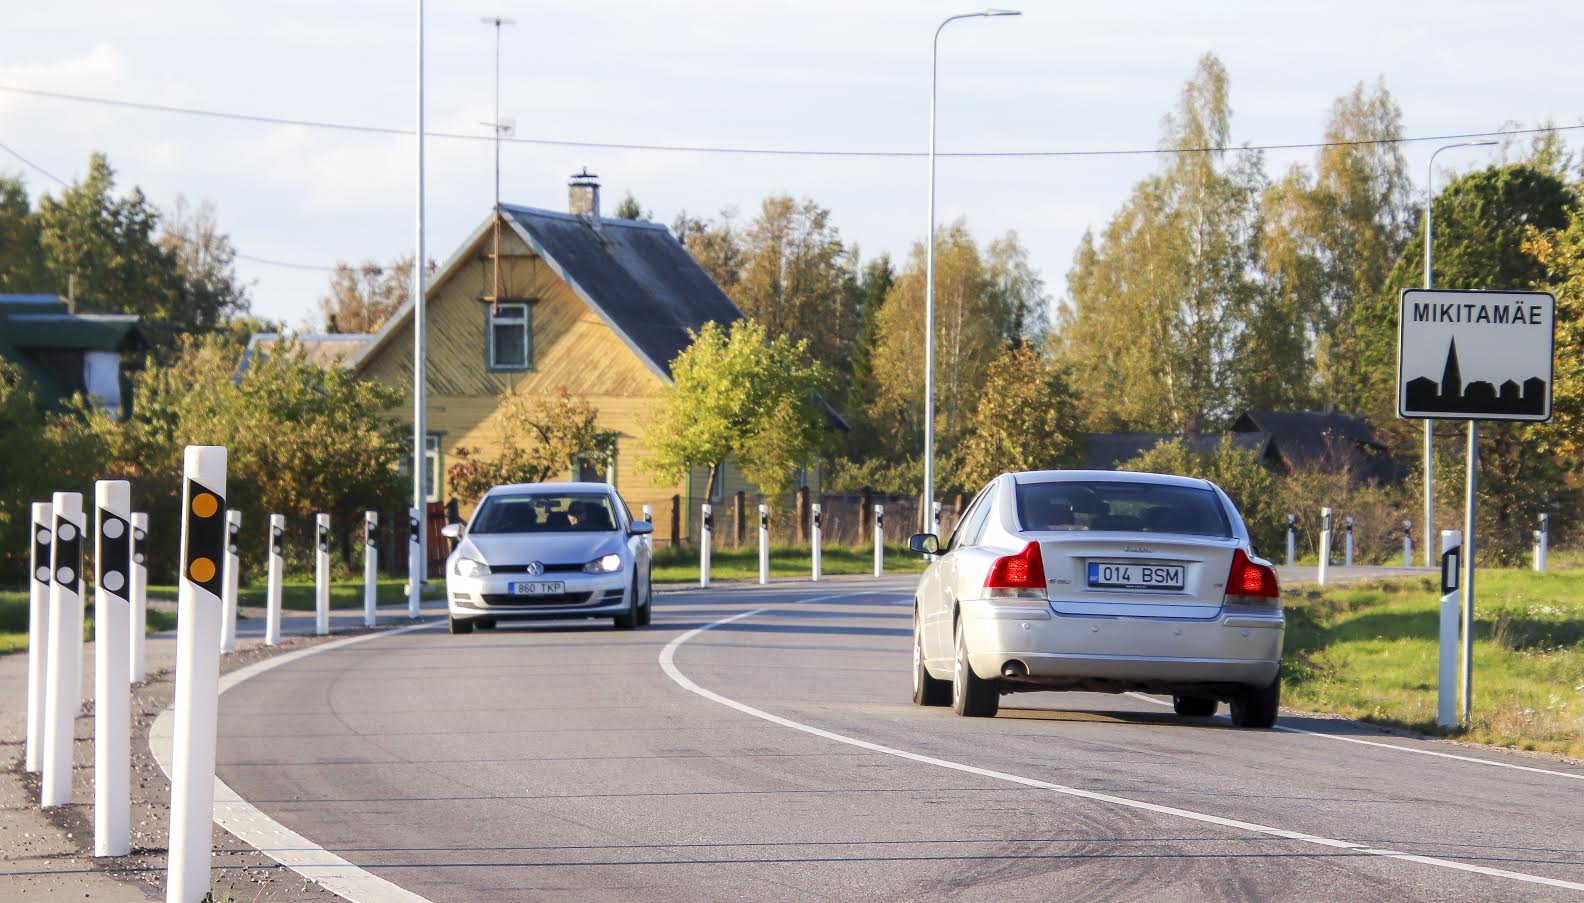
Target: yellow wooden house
<point>598,306</point>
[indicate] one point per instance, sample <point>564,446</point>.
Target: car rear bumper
<point>1236,647</point>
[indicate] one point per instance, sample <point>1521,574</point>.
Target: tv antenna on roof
<point>502,128</point>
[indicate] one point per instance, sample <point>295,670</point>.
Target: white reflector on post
<point>112,668</point>
<point>63,690</point>
<point>276,560</point>
<point>370,566</point>
<point>321,574</point>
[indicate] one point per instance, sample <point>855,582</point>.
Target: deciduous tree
<point>539,441</point>
<point>362,298</point>
<point>1026,419</point>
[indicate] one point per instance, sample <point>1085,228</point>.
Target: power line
<point>752,151</point>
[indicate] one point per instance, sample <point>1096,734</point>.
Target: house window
<point>432,479</point>
<point>717,490</point>
<point>510,337</point>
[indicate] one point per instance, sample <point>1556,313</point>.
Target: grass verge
<point>297,592</point>
<point>1369,651</point>
<point>681,563</point>
<point>14,621</point>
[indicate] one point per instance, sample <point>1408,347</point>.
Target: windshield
<point>579,512</point>
<point>1121,506</point>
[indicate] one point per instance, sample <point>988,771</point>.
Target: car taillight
<point>1251,580</point>
<point>1020,576</point>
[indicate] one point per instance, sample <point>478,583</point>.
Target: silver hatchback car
<point>1099,581</point>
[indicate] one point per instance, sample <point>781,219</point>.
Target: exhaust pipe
<point>1014,668</point>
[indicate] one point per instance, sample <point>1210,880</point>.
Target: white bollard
<point>1292,539</point>
<point>1407,543</point>
<point>879,540</point>
<point>276,559</point>
<point>935,522</point>
<point>197,700</point>
<point>814,537</point>
<point>764,544</point>
<point>1347,548</point>
<point>1447,686</point>
<point>417,568</point>
<point>370,566</point>
<point>233,576</point>
<point>112,668</point>
<point>1325,543</point>
<point>648,518</point>
<point>38,632</point>
<point>63,682</point>
<point>706,531</point>
<point>322,575</point>
<point>139,595</point>
<point>1542,542</point>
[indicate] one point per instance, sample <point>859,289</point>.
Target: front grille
<point>523,568</point>
<point>505,599</point>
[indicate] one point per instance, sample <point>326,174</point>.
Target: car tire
<point>1194,706</point>
<point>460,625</point>
<point>629,619</point>
<point>972,695</point>
<point>1257,706</point>
<point>927,690</point>
<point>486,624</point>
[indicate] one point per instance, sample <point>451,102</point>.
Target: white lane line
<point>1395,748</point>
<point>668,665</point>
<point>269,836</point>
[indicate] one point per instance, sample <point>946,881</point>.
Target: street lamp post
<point>1429,425</point>
<point>418,569</point>
<point>929,269</point>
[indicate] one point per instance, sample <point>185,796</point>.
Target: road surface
<point>758,743</point>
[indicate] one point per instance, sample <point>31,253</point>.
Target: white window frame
<point>432,455</point>
<point>524,318</point>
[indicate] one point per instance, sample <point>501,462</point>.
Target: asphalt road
<point>777,756</point>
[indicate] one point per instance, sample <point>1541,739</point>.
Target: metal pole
<point>277,567</point>
<point>416,569</point>
<point>228,588</point>
<point>1471,487</point>
<point>370,567</point>
<point>64,681</point>
<point>764,544</point>
<point>38,632</point>
<point>139,596</point>
<point>706,528</point>
<point>112,668</point>
<point>814,536</point>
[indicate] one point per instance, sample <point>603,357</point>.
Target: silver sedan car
<point>1099,581</point>
<point>539,551</point>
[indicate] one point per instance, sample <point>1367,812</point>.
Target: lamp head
<point>1002,12</point>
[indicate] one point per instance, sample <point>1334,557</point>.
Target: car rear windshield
<point>1129,507</point>
<point>545,513</point>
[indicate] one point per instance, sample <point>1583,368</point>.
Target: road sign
<point>1475,355</point>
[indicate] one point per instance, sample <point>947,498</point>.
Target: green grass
<point>297,592</point>
<point>1369,651</point>
<point>14,621</point>
<point>681,563</point>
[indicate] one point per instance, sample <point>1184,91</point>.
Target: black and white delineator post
<point>1347,542</point>
<point>276,561</point>
<point>648,518</point>
<point>38,632</point>
<point>112,668</point>
<point>814,537</point>
<point>139,594</point>
<point>1325,543</point>
<point>706,528</point>
<point>935,513</point>
<point>1542,542</point>
<point>370,566</point>
<point>197,702</point>
<point>233,577</point>
<point>321,574</point>
<point>1292,539</point>
<point>1407,543</point>
<point>764,544</point>
<point>63,683</point>
<point>417,569</point>
<point>879,541</point>
<point>1447,683</point>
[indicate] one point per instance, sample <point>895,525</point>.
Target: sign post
<point>139,595</point>
<point>64,682</point>
<point>370,566</point>
<point>233,576</point>
<point>1472,356</point>
<point>38,632</point>
<point>112,668</point>
<point>276,560</point>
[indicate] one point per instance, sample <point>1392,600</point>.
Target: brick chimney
<point>583,197</point>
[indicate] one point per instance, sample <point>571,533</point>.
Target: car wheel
<point>460,625</point>
<point>1257,706</point>
<point>1194,706</point>
<point>486,624</point>
<point>927,690</point>
<point>972,695</point>
<point>629,619</point>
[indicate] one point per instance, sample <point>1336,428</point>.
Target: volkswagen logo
<point>535,568</point>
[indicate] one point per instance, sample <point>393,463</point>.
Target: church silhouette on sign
<point>1451,396</point>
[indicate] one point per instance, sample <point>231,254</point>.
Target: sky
<point>816,74</point>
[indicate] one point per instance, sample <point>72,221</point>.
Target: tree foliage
<point>538,441</point>
<point>21,259</point>
<point>362,298</point>
<point>1026,419</point>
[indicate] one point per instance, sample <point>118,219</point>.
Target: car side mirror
<point>451,531</point>
<point>640,528</point>
<point>924,543</point>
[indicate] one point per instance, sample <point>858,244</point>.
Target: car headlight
<point>468,567</point>
<point>608,564</point>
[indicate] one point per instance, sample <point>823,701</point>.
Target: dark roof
<point>1105,451</point>
<point>1329,440</point>
<point>34,328</point>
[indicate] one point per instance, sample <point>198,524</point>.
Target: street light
<point>929,271</point>
<point>1429,431</point>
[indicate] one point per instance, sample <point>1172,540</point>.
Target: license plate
<point>1135,575</point>
<point>536,588</point>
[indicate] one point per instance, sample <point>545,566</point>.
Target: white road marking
<point>668,665</point>
<point>269,836</point>
<point>1395,748</point>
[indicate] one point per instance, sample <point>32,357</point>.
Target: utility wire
<point>752,151</point>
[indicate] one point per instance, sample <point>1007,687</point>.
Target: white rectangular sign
<point>1465,355</point>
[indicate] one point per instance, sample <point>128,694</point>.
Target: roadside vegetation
<point>297,592</point>
<point>680,563</point>
<point>1369,651</point>
<point>14,621</point>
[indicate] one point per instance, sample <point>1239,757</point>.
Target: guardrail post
<point>139,596</point>
<point>1292,539</point>
<point>197,700</point>
<point>43,533</point>
<point>1447,683</point>
<point>1325,543</point>
<point>764,544</point>
<point>1347,548</point>
<point>322,575</point>
<point>64,681</point>
<point>370,567</point>
<point>112,668</point>
<point>706,529</point>
<point>814,537</point>
<point>879,540</point>
<point>1542,542</point>
<point>232,576</point>
<point>1407,543</point>
<point>272,591</point>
